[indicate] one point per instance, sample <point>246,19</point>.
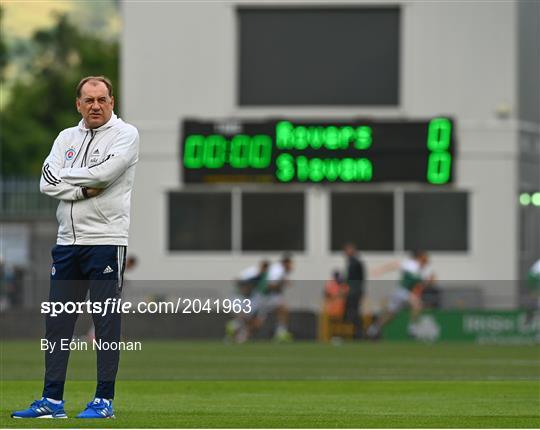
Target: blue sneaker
<point>98,408</point>
<point>42,409</point>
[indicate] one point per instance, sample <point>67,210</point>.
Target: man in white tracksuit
<point>90,169</point>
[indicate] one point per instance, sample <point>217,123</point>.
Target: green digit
<point>260,153</point>
<point>439,164</point>
<point>440,160</point>
<point>193,151</point>
<point>439,132</point>
<point>240,151</point>
<point>214,151</point>
<point>285,168</point>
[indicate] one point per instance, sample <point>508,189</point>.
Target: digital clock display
<point>290,151</point>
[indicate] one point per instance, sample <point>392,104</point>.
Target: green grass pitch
<point>258,385</point>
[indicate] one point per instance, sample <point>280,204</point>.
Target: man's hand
<point>92,192</point>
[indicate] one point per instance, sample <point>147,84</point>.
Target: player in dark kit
<point>355,279</point>
<point>90,169</point>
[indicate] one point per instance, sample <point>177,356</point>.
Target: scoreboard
<point>282,151</point>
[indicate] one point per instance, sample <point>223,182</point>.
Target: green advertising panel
<point>473,326</point>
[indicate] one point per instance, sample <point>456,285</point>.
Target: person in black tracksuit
<point>355,279</point>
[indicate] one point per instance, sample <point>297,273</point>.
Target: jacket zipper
<point>92,135</point>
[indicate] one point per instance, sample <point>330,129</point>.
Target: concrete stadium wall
<point>457,58</point>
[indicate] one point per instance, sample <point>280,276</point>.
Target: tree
<point>42,105</point>
<point>3,49</point>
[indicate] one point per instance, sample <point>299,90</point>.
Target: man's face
<point>95,105</point>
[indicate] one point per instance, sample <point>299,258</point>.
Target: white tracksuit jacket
<point>104,157</point>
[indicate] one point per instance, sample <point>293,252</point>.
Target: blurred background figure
<point>249,285</point>
<point>533,284</point>
<point>355,277</point>
<point>336,291</point>
<point>272,298</point>
<point>131,263</point>
<point>332,324</point>
<point>534,276</point>
<point>6,279</point>
<point>415,275</point>
<point>11,286</point>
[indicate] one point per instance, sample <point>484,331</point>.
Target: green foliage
<point>43,104</point>
<point>3,48</point>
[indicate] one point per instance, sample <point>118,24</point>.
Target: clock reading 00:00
<point>214,151</point>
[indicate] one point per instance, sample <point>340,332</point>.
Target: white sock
<point>107,401</point>
<point>54,401</point>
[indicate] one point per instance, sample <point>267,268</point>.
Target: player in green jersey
<point>533,285</point>
<point>415,275</point>
<point>534,276</point>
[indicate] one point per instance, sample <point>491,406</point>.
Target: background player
<point>533,285</point>
<point>250,282</point>
<point>355,276</point>
<point>272,298</point>
<point>415,274</point>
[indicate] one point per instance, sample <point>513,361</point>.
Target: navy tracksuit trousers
<point>79,270</point>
